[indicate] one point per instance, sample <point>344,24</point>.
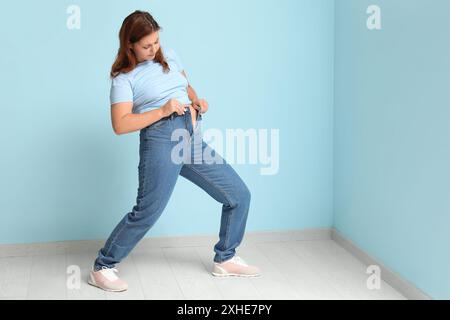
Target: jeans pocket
<point>157,129</point>
<point>157,124</point>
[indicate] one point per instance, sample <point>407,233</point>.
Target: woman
<point>150,93</point>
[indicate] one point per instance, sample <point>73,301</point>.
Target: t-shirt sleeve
<point>120,90</point>
<point>172,55</point>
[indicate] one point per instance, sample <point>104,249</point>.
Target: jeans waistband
<point>186,109</point>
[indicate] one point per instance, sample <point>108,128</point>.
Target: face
<point>146,48</point>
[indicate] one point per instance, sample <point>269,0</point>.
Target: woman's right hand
<point>171,106</point>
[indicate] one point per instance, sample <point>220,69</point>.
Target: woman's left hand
<point>201,105</point>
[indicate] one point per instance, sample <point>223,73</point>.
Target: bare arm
<point>191,92</point>
<point>124,121</point>
<point>196,102</point>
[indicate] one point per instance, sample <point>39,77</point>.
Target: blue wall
<point>65,175</point>
<point>391,134</point>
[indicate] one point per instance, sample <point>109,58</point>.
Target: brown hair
<point>136,26</point>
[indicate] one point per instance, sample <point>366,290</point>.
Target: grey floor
<point>318,269</point>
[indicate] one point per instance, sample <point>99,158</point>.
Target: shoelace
<point>109,273</point>
<point>239,261</point>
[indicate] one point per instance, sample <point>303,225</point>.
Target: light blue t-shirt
<point>148,87</point>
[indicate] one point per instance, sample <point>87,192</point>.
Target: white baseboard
<point>406,288</point>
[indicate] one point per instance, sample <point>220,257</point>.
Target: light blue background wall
<point>65,175</point>
<point>392,154</point>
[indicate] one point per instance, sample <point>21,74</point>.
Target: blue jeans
<point>158,173</point>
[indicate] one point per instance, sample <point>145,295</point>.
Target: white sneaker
<point>107,280</point>
<point>235,266</point>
